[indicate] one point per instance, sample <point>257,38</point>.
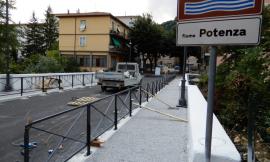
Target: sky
<point>161,10</point>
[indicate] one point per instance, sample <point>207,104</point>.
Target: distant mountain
<point>169,25</point>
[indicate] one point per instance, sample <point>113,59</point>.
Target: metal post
<point>147,89</point>
<point>159,87</point>
<point>72,80</point>
<point>7,86</point>
<point>130,103</point>
<point>59,82</point>
<point>163,82</point>
<point>210,103</point>
<point>21,86</point>
<point>43,84</point>
<point>92,79</point>
<point>152,88</point>
<point>26,144</point>
<point>88,129</point>
<point>83,80</point>
<point>251,138</point>
<point>140,89</point>
<point>115,112</point>
<point>156,86</point>
<point>182,100</point>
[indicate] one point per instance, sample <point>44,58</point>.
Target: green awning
<point>116,42</point>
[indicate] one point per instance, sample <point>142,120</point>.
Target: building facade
<point>97,40</point>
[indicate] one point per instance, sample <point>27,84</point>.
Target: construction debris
<point>61,147</point>
<point>157,98</point>
<point>49,83</point>
<point>162,113</point>
<point>97,142</point>
<point>50,151</point>
<point>82,101</point>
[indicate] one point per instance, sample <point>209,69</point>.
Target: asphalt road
<point>15,114</point>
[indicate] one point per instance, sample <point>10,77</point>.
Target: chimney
<point>67,11</point>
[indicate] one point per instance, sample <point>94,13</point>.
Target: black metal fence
<point>41,83</point>
<point>60,136</point>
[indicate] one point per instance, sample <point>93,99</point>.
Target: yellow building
<point>97,40</point>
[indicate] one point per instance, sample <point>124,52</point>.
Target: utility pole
<point>7,86</point>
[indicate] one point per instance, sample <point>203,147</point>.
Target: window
<point>83,61</point>
<point>82,25</point>
<point>99,61</point>
<point>82,41</point>
<point>128,67</point>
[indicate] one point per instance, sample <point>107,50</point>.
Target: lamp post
<point>182,100</point>
<point>7,86</point>
<point>130,44</point>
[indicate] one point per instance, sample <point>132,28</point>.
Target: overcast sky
<point>161,10</point>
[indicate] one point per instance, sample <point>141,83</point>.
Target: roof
<point>90,14</point>
<point>127,16</point>
<point>83,14</point>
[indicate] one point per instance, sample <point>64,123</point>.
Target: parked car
<point>126,74</point>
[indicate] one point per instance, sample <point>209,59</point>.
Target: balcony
<point>117,33</point>
<point>118,45</point>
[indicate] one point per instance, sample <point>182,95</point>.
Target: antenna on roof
<point>78,11</point>
<point>68,11</point>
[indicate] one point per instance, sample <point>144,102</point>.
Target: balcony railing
<point>121,34</point>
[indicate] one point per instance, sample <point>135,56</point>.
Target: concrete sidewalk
<point>148,136</point>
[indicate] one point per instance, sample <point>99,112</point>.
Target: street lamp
<point>130,44</point>
<point>7,86</point>
<point>182,100</point>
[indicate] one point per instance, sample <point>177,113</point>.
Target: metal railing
<point>23,84</point>
<point>61,136</point>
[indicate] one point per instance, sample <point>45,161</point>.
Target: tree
<point>2,7</point>
<point>50,30</point>
<point>266,29</point>
<point>169,44</point>
<point>2,30</point>
<point>146,35</point>
<point>42,64</point>
<point>8,37</point>
<point>34,43</point>
<point>169,47</point>
<point>70,65</point>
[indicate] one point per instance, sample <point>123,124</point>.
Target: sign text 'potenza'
<point>222,33</point>
<point>218,33</point>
